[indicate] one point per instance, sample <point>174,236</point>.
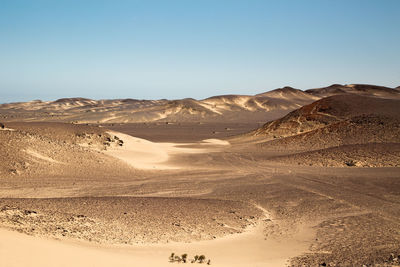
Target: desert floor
<point>230,202</point>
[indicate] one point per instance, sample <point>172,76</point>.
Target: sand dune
<point>216,142</point>
<point>143,154</point>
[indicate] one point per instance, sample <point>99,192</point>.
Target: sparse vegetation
<point>195,258</point>
<point>202,258</point>
<point>177,258</point>
<point>172,257</point>
<point>350,163</point>
<point>184,259</point>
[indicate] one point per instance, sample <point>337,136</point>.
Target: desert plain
<point>283,178</point>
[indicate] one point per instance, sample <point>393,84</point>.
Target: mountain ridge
<point>261,107</point>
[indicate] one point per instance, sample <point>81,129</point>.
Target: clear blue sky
<point>187,48</point>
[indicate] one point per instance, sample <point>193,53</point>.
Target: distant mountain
<point>287,93</point>
<point>227,108</point>
<point>224,108</point>
<point>358,89</point>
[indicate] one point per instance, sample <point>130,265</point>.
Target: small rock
<point>29,212</point>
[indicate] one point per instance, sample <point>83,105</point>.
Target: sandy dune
<point>246,249</point>
<point>144,154</point>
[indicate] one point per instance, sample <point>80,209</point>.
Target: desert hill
<point>336,127</point>
<point>239,108</point>
<point>288,92</point>
<point>358,89</point>
<point>328,111</point>
<point>226,108</point>
<point>36,149</point>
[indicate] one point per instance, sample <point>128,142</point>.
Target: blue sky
<point>193,48</point>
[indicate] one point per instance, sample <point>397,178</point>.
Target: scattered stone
<point>29,212</point>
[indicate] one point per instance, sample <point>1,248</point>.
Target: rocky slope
<point>358,89</point>
<point>360,155</point>
<point>327,112</point>
<point>36,149</point>
<point>341,130</point>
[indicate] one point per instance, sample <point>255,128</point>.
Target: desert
<point>318,186</point>
<point>153,133</point>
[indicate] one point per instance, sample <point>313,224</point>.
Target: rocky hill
<point>337,126</point>
<point>54,149</point>
<point>358,89</point>
<point>328,111</point>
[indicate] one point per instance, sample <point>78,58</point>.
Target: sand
<point>246,249</point>
<point>216,142</point>
<point>147,155</point>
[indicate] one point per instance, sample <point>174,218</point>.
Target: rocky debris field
<point>128,220</point>
<point>35,149</point>
<point>363,155</point>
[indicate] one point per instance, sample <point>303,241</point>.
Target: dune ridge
<point>229,108</point>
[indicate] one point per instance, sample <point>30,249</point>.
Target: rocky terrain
<point>37,149</point>
<point>342,130</point>
<point>329,111</point>
<point>127,220</point>
<point>357,89</point>
<point>359,155</point>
